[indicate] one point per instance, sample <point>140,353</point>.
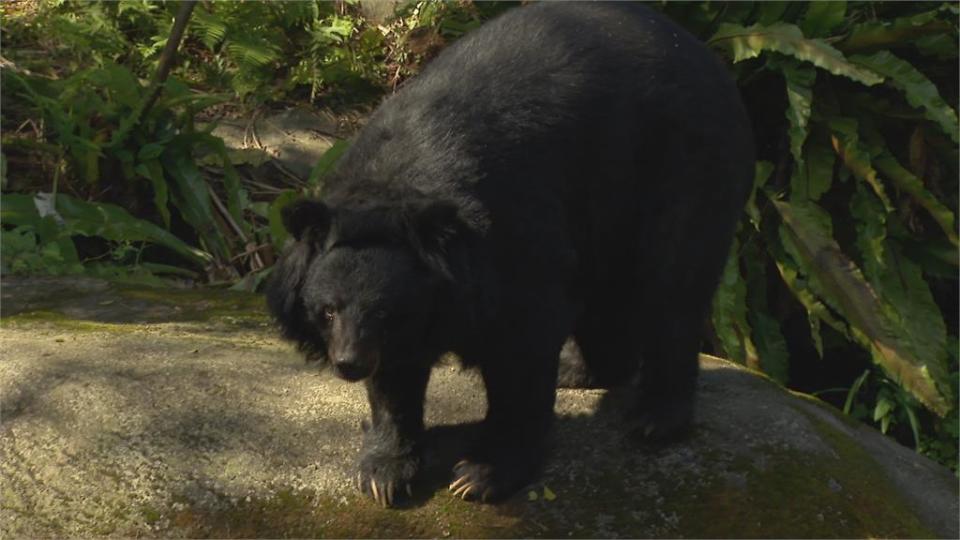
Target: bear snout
<point>350,371</point>
<point>355,365</point>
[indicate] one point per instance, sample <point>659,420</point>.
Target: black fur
<point>567,169</point>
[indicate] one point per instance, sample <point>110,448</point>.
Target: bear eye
<point>329,313</point>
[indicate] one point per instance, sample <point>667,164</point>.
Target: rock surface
<point>164,413</point>
<point>295,139</point>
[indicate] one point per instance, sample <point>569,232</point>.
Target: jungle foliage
<point>843,277</point>
<point>855,199</point>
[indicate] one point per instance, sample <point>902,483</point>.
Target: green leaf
<point>914,425</point>
<point>3,171</point>
<point>815,335</point>
<point>913,186</point>
<point>840,281</point>
<point>822,17</point>
<point>192,198</point>
<point>252,51</point>
<point>883,408</point>
<point>771,346</point>
<point>815,173</point>
<point>209,27</point>
<point>906,298</point>
<point>277,232</point>
<point>917,88</point>
<point>846,142</point>
<point>153,171</point>
<point>149,151</point>
<point>90,219</point>
<point>771,12</point>
<point>871,225</point>
<point>799,286</point>
<point>730,313</point>
<point>940,46</point>
<point>763,169</point>
<point>114,223</point>
<point>237,199</point>
<point>17,209</point>
<point>119,82</point>
<point>799,78</point>
<point>854,389</point>
<point>326,163</point>
<point>817,311</point>
<point>746,43</point>
<point>878,34</point>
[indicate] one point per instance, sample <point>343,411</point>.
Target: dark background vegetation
<point>843,278</point>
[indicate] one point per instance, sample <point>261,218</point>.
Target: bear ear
<point>306,214</point>
<point>435,230</point>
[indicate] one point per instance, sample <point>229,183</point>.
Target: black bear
<point>568,169</point>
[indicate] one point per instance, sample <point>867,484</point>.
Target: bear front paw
<point>387,478</point>
<point>488,482</point>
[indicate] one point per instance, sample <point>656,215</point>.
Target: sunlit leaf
<point>842,281</point>
<point>817,311</point>
<point>746,43</point>
<point>94,219</point>
<point>910,184</point>
<point>846,142</point>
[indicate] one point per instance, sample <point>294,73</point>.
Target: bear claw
<point>474,483</point>
<point>387,478</point>
<point>386,495</point>
<point>464,491</point>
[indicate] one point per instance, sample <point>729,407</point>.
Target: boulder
<point>194,420</point>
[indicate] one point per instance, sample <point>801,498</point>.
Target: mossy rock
<point>156,413</point>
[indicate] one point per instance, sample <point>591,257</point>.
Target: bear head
<point>364,285</point>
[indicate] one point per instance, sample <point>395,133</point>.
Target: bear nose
<point>349,370</point>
